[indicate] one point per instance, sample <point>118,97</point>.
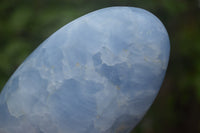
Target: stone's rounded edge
<point>159,21</point>
<point>138,9</point>
<point>156,18</point>
<point>133,9</point>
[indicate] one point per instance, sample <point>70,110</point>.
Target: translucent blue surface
<point>97,74</point>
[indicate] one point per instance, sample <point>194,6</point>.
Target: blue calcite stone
<point>98,74</point>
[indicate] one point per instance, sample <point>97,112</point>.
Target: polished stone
<point>98,74</point>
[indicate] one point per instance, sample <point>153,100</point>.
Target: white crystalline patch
<point>14,106</point>
<point>20,103</point>
<point>109,58</point>
<point>92,75</point>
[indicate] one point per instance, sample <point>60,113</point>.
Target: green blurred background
<point>24,24</point>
